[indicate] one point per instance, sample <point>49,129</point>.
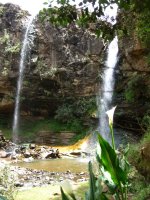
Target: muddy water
<point>75,165</point>
<point>58,165</point>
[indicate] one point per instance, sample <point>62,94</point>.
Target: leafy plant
<point>76,109</point>
<point>113,168</point>
<point>143,194</point>
<point>141,160</point>
<point>9,46</point>
<point>146,121</point>
<point>1,10</point>
<point>7,189</point>
<point>143,27</point>
<point>13,48</point>
<point>116,167</point>
<point>5,39</point>
<point>136,89</point>
<point>130,12</point>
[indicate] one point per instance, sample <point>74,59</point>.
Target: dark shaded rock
<point>76,153</point>
<point>18,184</point>
<point>27,154</point>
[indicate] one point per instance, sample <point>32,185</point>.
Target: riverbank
<point>30,183</point>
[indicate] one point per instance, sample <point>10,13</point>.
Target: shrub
<point>7,189</point>
<point>136,90</point>
<point>77,108</point>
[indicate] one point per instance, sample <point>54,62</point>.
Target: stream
<point>74,165</point>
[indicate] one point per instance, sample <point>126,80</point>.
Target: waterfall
<point>25,47</point>
<point>107,88</point>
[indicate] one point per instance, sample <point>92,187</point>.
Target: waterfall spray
<point>107,88</point>
<point>24,50</point>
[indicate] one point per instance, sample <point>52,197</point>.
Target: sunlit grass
<point>51,192</point>
<point>38,193</point>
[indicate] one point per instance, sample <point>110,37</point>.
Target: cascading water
<point>25,47</point>
<point>107,88</point>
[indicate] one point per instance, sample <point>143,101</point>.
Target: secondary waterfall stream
<point>107,88</point>
<point>24,50</point>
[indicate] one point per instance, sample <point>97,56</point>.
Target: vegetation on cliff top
<point>133,15</point>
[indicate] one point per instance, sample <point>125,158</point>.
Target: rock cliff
<point>11,35</point>
<point>61,64</point>
<point>65,64</point>
<point>132,91</point>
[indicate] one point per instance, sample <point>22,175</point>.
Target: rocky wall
<point>132,90</point>
<point>67,63</point>
<point>61,63</point>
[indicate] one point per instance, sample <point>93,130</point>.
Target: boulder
<point>3,154</point>
<point>32,146</point>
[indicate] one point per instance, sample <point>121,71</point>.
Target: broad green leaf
<point>92,190</point>
<point>110,162</point>
<point>63,195</point>
<point>103,197</point>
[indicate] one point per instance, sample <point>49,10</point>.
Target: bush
<point>77,108</point>
<point>136,90</point>
<point>7,187</point>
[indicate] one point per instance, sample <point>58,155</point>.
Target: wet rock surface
<point>27,178</point>
<point>34,178</point>
<point>11,154</point>
<point>29,152</point>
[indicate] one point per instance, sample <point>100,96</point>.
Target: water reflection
<point>58,165</point>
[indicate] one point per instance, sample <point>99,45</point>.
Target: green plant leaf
<point>103,197</point>
<point>110,162</point>
<point>63,195</point>
<point>92,190</point>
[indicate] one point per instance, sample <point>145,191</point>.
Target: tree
<point>88,12</point>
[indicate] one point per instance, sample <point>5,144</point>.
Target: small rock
<point>82,173</point>
<point>3,154</point>
<point>56,194</point>
<point>32,146</point>
<point>47,178</point>
<point>76,153</point>
<point>53,173</point>
<point>18,184</point>
<point>30,159</point>
<point>61,179</point>
<point>27,154</point>
<point>68,172</point>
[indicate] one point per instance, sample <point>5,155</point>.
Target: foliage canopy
<point>88,12</point>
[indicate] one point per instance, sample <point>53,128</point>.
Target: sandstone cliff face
<point>61,63</point>
<point>132,92</point>
<point>11,34</point>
